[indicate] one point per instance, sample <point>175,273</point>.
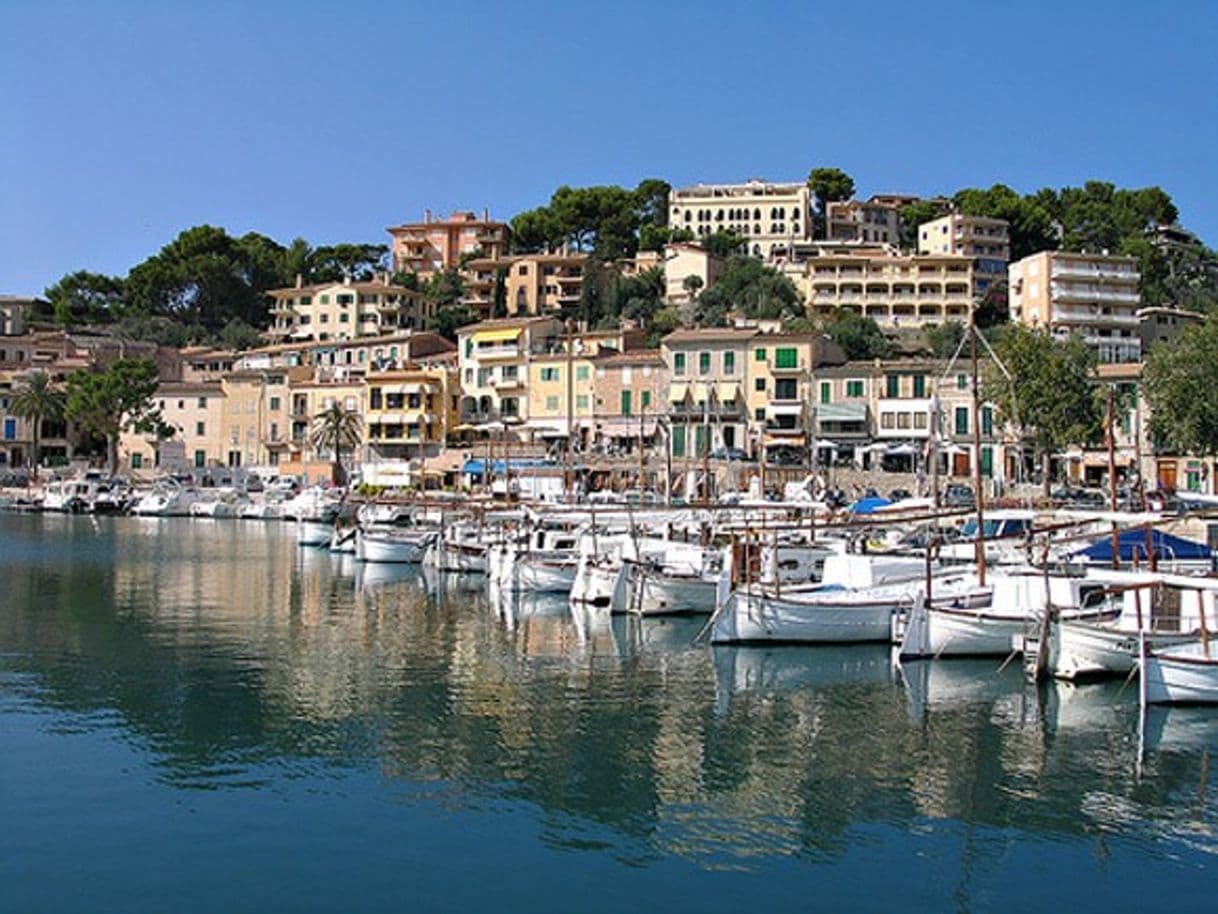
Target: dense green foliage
<point>336,429</point>
<point>607,220</point>
<point>117,398</point>
<point>860,337</point>
<point>751,288</point>
<point>1051,393</point>
<point>1184,418</point>
<point>942,340</point>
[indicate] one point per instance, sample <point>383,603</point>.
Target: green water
<point>201,716</point>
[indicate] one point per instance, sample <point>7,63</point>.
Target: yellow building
<point>494,367</point>
<point>778,388</point>
<point>256,424</point>
<point>408,413</point>
<point>559,387</point>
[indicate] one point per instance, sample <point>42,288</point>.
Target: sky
<point>126,121</point>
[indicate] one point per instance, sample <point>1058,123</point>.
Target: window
<point>854,389</point>
<point>919,385</point>
<point>581,401</point>
<point>759,355</point>
<point>961,382</point>
<point>549,374</point>
<point>987,420</point>
<point>275,404</point>
<point>920,420</point>
<point>626,404</point>
<point>137,461</point>
<point>961,420</point>
<point>202,402</point>
<point>785,358</point>
<point>826,391</point>
<point>987,461</point>
<point>892,386</point>
<point>200,429</point>
<point>581,373</point>
<point>551,404</point>
<point>786,389</point>
<point>887,420</point>
<point>200,458</point>
<point>759,385</point>
<point>904,420</point>
<point>704,362</point>
<point>645,399</point>
<point>759,414</point>
<point>678,363</point>
<point>729,363</point>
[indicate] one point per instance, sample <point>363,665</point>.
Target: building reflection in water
<point>234,655</point>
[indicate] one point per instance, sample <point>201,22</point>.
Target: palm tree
<point>36,401</point>
<point>337,429</point>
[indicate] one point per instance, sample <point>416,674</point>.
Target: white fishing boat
<point>396,545</point>
<point>460,548</point>
<point>996,619</point>
<point>222,503</point>
<point>1180,674</point>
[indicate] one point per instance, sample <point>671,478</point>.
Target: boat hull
<point>402,550</point>
<point>753,618</point>
<point>1172,679</point>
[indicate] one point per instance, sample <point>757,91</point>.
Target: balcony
<point>505,351</point>
<point>507,383</point>
<point>1075,292</point>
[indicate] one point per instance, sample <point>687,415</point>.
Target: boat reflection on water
<point>960,683</point>
<point>788,668</point>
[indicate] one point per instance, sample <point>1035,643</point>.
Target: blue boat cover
<point>1133,546</point>
<point>477,466</point>
<point>867,505</point>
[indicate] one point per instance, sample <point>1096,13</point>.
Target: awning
<point>771,440</point>
<point>841,412</point>
<point>729,393</point>
<point>497,336</point>
<point>786,409</point>
<point>677,393</point>
<point>701,392</point>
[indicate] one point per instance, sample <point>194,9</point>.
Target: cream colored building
<point>559,387</point>
<point>13,312</point>
<point>256,425</point>
<point>864,221</point>
<point>681,261</point>
<point>987,241</point>
<point>194,410</point>
<point>1094,295</point>
<point>893,289</point>
<point>778,388</point>
<point>435,245</point>
<point>494,367</point>
<point>767,215</point>
<point>707,407</point>
<point>627,397</point>
<point>345,310</point>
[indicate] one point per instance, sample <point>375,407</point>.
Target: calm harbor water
<point>201,716</point>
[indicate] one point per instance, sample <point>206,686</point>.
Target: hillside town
<point>527,383</point>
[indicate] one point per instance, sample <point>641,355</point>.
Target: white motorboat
<point>223,503</point>
<point>168,498</point>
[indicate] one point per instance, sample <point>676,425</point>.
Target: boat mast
<point>980,545</point>
<point>1109,435</point>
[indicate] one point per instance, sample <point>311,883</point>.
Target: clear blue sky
<point>126,121</point>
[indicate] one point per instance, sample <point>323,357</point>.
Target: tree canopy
<point>37,400</point>
<point>830,185</point>
<point>86,298</point>
<point>1183,418</point>
<point>750,287</point>
<point>860,337</point>
<point>117,398</point>
<point>1051,391</point>
<point>605,220</point>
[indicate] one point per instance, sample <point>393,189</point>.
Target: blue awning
<point>1133,547</point>
<point>476,466</point>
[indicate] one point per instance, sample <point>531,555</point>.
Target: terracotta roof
<point>631,357</point>
<point>711,334</point>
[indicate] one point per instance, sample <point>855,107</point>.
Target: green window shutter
<point>678,441</point>
<point>919,385</point>
<point>701,440</point>
<point>646,399</point>
<point>785,358</point>
<point>892,386</point>
<point>987,420</point>
<point>626,403</point>
<point>961,420</point>
<point>729,363</point>
<point>704,362</point>
<point>826,391</point>
<point>759,355</point>
<point>678,363</point>
<point>987,461</point>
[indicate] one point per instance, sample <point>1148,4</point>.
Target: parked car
<point>957,495</point>
<point>729,453</point>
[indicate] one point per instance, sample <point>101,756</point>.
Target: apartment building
<point>767,215</point>
<point>688,270</point>
<point>434,245</point>
<point>194,412</point>
<point>1094,295</point>
<point>345,310</point>
<point>306,398</point>
<point>893,289</point>
<point>1164,325</point>
<point>493,360</point>
<point>863,221</point>
<point>707,408</point>
<point>349,358</point>
<point>627,398</point>
<point>14,310</point>
<point>987,241</point>
<point>558,387</point>
<point>408,413</point>
<point>257,420</point>
<point>778,389</point>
